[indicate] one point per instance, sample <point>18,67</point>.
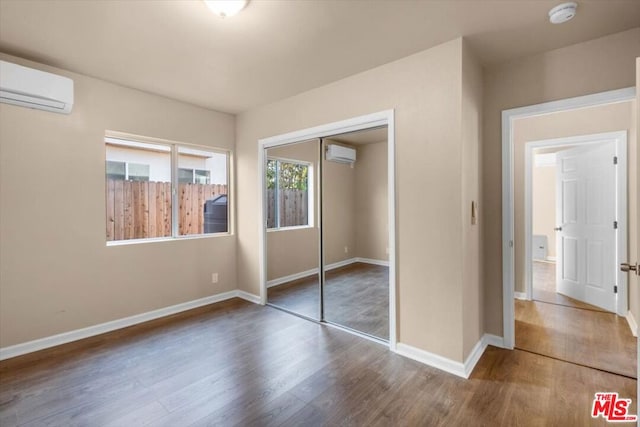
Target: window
<point>288,194</point>
<point>144,201</point>
<point>193,176</point>
<point>127,171</point>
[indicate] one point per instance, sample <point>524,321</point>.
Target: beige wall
<point>584,121</point>
<point>292,251</point>
<point>371,202</point>
<point>471,129</point>
<point>425,91</point>
<point>543,205</point>
<point>56,272</point>
<point>590,67</point>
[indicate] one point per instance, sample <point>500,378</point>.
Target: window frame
<point>126,169</point>
<point>194,174</point>
<point>310,194</point>
<point>173,150</point>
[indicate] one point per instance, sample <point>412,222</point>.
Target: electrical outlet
<point>214,277</point>
<point>346,249</point>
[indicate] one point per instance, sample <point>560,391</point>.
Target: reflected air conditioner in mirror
<point>340,154</point>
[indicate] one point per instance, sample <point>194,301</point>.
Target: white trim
<point>382,118</point>
<point>78,334</point>
<point>460,369</point>
<point>620,138</point>
<point>248,297</point>
<point>522,296</point>
<point>508,116</point>
<point>551,259</point>
<point>381,262</point>
<point>339,264</point>
<point>295,276</point>
<point>431,359</point>
<point>494,340</point>
<point>632,323</point>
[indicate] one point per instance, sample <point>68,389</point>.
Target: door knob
<point>626,267</point>
<point>558,228</point>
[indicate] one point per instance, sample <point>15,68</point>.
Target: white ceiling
<point>277,48</point>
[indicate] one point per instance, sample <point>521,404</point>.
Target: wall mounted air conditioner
<point>340,154</point>
<point>35,89</point>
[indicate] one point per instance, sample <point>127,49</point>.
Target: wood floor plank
<point>241,364</point>
<point>544,287</point>
<point>355,296</point>
<point>597,339</point>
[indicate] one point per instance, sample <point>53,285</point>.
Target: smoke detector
<point>562,13</point>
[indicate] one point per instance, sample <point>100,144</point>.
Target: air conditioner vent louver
<point>36,89</point>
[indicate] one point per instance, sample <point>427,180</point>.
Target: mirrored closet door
<point>355,231</point>
<point>292,230</point>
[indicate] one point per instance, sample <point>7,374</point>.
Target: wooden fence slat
<point>201,200</point>
<point>128,211</point>
<point>151,210</point>
<point>110,193</point>
<point>144,207</point>
<point>159,208</point>
<point>167,211</point>
<point>137,210</point>
<point>118,204</point>
<point>193,212</point>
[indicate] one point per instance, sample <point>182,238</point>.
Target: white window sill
<point>298,227</point>
<point>167,239</point>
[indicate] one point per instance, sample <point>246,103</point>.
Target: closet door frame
<point>382,118</point>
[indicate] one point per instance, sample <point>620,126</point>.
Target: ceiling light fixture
<point>562,13</point>
<point>225,8</point>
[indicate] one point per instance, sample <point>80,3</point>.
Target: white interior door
<point>585,215</point>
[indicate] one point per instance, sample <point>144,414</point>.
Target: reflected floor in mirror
<point>356,296</point>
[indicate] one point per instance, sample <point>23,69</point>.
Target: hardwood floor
<point>236,363</point>
<point>544,287</point>
<point>356,296</point>
<point>564,328</point>
<point>593,338</point>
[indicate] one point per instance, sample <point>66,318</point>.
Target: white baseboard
<point>384,263</point>
<point>78,334</point>
<point>451,366</point>
<point>248,297</point>
<point>632,323</point>
<point>494,340</point>
<point>520,295</point>
<point>291,278</point>
<point>333,266</point>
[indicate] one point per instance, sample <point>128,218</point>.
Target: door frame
<point>620,138</point>
<point>508,231</point>
<point>381,118</point>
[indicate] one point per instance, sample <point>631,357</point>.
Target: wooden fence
<point>293,206</point>
<point>138,210</point>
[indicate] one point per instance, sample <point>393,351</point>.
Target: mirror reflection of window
<point>287,193</point>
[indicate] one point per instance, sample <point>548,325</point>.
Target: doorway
<point>575,221</point>
<point>578,333</point>
<point>509,118</point>
<point>349,230</point>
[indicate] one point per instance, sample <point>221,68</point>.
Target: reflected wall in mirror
<point>355,233</point>
<point>292,235</point>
